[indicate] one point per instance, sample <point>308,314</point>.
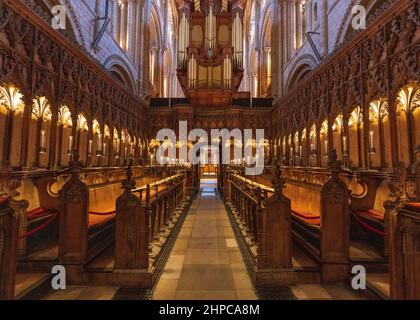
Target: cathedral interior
<point>110,188</point>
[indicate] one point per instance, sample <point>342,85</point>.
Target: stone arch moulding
<point>302,67</point>
<point>74,23</point>
<point>344,29</point>
<point>156,18</point>
<point>120,70</point>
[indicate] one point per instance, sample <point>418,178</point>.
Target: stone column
<point>323,18</point>
<point>129,35</point>
<point>277,43</point>
<point>144,51</point>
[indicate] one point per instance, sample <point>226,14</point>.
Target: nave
<point>206,263</point>
<point>91,191</point>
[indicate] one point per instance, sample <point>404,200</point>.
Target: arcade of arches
<point>81,184</point>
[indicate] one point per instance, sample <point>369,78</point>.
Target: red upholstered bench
<point>39,213</point>
<point>372,214</point>
<point>307,217</point>
<point>2,200</point>
<point>38,221</point>
<point>372,221</point>
<point>413,206</point>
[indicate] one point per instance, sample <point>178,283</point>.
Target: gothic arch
<point>266,29</point>
<point>266,34</point>
<point>75,29</point>
<point>120,71</point>
<point>345,30</point>
<point>156,27</point>
<point>301,69</point>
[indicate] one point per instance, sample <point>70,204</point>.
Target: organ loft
<point>210,61</point>
<point>209,149</point>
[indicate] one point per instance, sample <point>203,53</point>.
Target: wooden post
<point>335,226</point>
<point>274,238</point>
<point>9,226</point>
<point>131,240</point>
<point>9,232</point>
<point>402,238</point>
<point>73,222</point>
<point>404,233</point>
<point>416,169</point>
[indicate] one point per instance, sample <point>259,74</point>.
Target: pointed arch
<point>120,71</point>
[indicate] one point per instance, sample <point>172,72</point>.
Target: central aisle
<point>205,262</point>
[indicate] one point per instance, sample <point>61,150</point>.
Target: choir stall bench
<point>321,221</point>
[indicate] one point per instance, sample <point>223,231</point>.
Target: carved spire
<point>278,181</point>
<point>75,164</point>
<point>334,164</point>
<point>398,183</point>
<point>129,184</point>
<point>8,184</point>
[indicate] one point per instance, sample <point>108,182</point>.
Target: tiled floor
<point>325,292</point>
<point>25,280</point>
<point>205,262</point>
<point>83,293</point>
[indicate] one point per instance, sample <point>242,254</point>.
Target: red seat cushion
<point>413,206</point>
<point>97,220</point>
<point>307,217</point>
<point>3,200</point>
<point>372,214</point>
<point>39,213</point>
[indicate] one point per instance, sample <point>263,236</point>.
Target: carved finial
<point>129,183</point>
<point>278,181</point>
<point>75,164</point>
<point>334,164</point>
<point>8,184</point>
<point>398,184</point>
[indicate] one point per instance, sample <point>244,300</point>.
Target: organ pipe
<point>237,43</point>
<point>210,32</point>
<point>227,72</point>
<point>184,40</point>
<point>192,72</point>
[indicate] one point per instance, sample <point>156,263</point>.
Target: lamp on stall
<point>372,149</point>
<point>345,150</point>
<point>42,148</point>
<point>117,154</point>
<point>70,149</point>
<point>99,146</point>
<point>326,149</point>
<point>90,143</point>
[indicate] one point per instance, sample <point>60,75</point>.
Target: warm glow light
<point>324,128</point>
<point>11,99</point>
<point>41,109</point>
<point>64,117</point>
<point>82,124</point>
<point>96,127</point>
<point>356,117</point>
<point>338,123</point>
